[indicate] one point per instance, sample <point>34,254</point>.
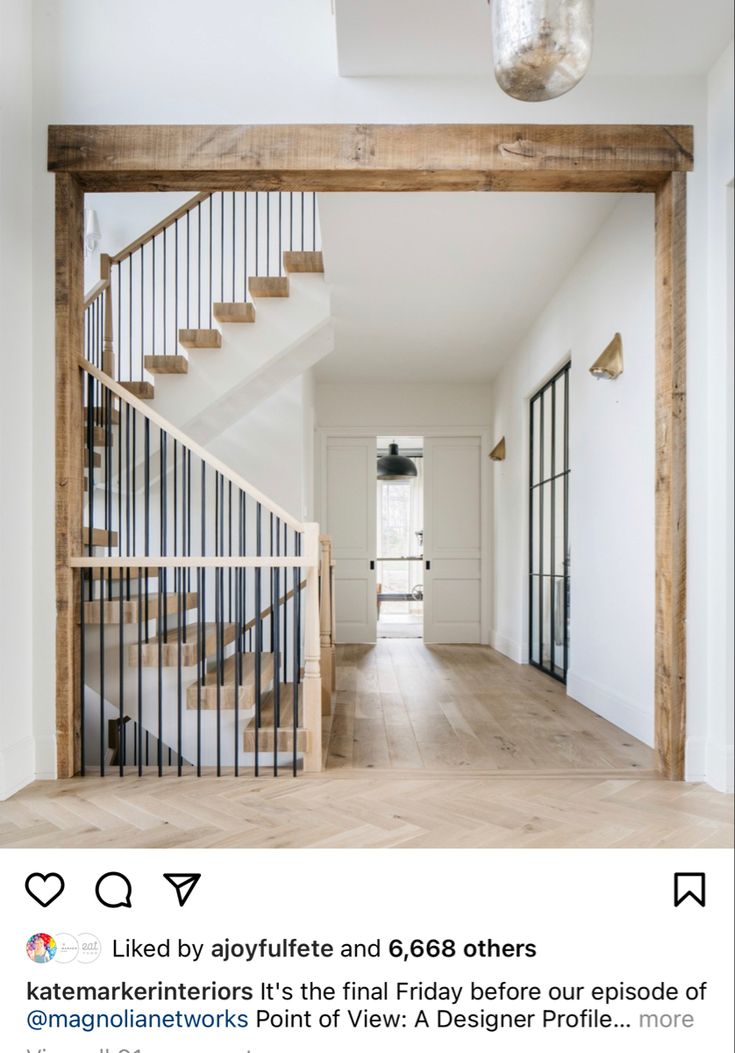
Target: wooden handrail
<point>193,562</point>
<point>145,411</point>
<point>96,291</point>
<point>162,225</point>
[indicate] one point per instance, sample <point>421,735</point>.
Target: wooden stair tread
<point>142,389</point>
<point>100,437</point>
<point>200,339</point>
<point>269,286</point>
<point>96,459</point>
<point>101,538</point>
<point>281,739</point>
<point>234,312</point>
<point>303,262</point>
<point>166,364</point>
<point>208,684</point>
<point>189,647</point>
<point>111,608</point>
<point>99,415</point>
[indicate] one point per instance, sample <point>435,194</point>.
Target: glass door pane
<point>549,588</point>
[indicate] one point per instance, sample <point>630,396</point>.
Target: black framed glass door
<point>549,557</point>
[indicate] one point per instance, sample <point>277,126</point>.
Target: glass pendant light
<point>541,48</point>
<point>395,468</point>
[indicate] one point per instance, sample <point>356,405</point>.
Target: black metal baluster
<point>296,649</point>
<point>280,233</point>
<point>142,311</point>
<point>245,248</point>
<point>234,217</point>
<point>130,317</point>
<point>302,221</point>
<point>140,669</point>
<point>153,296</point>
<point>188,271</point>
<point>258,633</point>
<point>147,508</point>
<point>83,668</point>
<point>276,621</point>
<point>199,265</point>
<point>219,676</point>
<point>211,207</point>
<point>120,591</point>
<point>200,669</point>
<point>162,627</point>
<point>257,209</point>
<point>313,221</point>
<point>267,232</point>
<point>175,340</point>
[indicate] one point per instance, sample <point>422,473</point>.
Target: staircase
<point>204,608</point>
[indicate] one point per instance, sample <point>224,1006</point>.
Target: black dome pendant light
<point>394,467</point>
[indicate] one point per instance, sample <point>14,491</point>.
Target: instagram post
<point>366,551</point>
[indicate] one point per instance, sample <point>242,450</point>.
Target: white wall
<point>272,447</point>
<point>413,407</point>
<point>109,62</point>
<point>17,762</point>
<point>715,754</point>
<point>611,454</point>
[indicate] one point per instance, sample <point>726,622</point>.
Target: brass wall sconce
<point>609,365</point>
<point>498,452</point>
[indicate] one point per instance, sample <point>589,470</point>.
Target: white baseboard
<point>720,763</point>
<point>612,708</point>
<point>46,756</point>
<point>17,766</point>
<point>510,648</point>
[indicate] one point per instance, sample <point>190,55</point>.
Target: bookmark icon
<point>183,885</point>
<point>689,886</point>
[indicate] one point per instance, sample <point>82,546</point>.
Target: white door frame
<point>323,433</point>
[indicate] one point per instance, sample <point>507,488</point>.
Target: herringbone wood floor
<point>473,752</point>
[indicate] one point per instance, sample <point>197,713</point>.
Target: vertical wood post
<point>334,626</point>
<point>326,601</point>
<point>69,469</point>
<point>671,495</point>
<point>108,351</point>
<point>312,688</point>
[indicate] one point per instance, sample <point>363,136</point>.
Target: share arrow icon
<point>184,885</point>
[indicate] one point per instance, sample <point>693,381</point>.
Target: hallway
<point>406,706</point>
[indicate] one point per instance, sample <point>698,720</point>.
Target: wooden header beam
<point>605,158</point>
<point>613,158</point>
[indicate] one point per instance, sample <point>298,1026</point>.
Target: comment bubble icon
<point>114,890</point>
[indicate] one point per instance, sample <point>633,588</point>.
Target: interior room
<point>364,470</point>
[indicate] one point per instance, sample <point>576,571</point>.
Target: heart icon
<point>44,888</point>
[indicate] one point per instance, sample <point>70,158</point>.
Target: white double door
<point>453,536</point>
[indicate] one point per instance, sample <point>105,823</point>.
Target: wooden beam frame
<point>594,158</point>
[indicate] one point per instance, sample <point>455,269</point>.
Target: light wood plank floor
<point>473,751</point>
<point>367,810</point>
<point>404,705</point>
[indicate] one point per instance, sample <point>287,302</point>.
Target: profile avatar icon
<point>41,948</point>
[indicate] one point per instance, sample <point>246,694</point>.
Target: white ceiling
<point>441,287</point>
<point>451,38</point>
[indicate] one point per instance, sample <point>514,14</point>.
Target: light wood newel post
<point>671,509</point>
<point>69,470</point>
<point>108,350</point>
<point>312,688</point>
<point>326,601</point>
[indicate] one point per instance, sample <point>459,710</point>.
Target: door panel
<point>452,540</point>
<point>549,556</point>
<point>349,517</point>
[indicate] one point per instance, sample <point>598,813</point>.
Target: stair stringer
<point>289,336</point>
